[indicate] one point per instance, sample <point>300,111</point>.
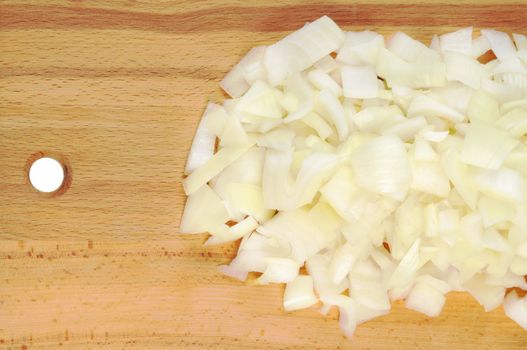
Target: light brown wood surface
<point>115,89</point>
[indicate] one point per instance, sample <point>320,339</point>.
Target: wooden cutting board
<point>115,90</point>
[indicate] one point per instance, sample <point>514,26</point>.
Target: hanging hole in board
<point>48,174</point>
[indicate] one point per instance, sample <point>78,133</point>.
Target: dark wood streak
<point>263,19</point>
<point>165,72</point>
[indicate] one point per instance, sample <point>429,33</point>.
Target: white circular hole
<point>46,174</point>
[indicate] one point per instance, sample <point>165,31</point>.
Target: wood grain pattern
<point>116,89</point>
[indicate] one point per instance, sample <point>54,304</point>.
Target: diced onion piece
<point>248,199</point>
<point>521,250</point>
<point>233,133</point>
<point>522,54</point>
<point>318,267</point>
<point>235,82</point>
<point>233,233</point>
<point>341,263</point>
<point>500,43</point>
<point>493,240</point>
<point>483,107</point>
<point>326,220</point>
<point>336,112</point>
<point>300,89</point>
<point>325,309</point>
<point>435,43</point>
<point>435,136</point>
<point>494,211</point>
<point>464,69</point>
<point>367,287</point>
<point>515,80</point>
<point>382,166</point>
<point>213,167</point>
<point>440,285</point>
<point>247,169</point>
<point>423,105</point>
<point>347,321</point>
<point>316,169</point>
<point>510,65</point>
<point>461,177</point>
<point>406,129</point>
<point>428,177</point>
<point>505,184</point>
<point>423,151</point>
<point>215,118</point>
<point>425,299</point>
<point>302,49</point>
<point>397,72</point>
<point>204,211</point>
<point>520,40</point>
<point>202,148</point>
<point>409,224</point>
<point>519,266</point>
<point>454,94</point>
<point>359,82</point>
<point>371,294</point>
<point>515,122</point>
<point>517,160</point>
<point>360,48</point>
<point>316,122</point>
<point>299,294</point>
<point>279,270</point>
<point>501,91</point>
<point>405,47</point>
<point>365,218</point>
<point>480,45</point>
<point>516,308</point>
<point>340,190</point>
<point>471,228</point>
<point>255,69</point>
<point>404,274</point>
<point>322,81</point>
<point>459,41</point>
<point>233,272</point>
<point>296,228</point>
<point>374,119</point>
<point>486,146</point>
<point>276,181</point>
<point>448,224</point>
<point>255,250</point>
<point>326,64</point>
<point>279,139</point>
<point>261,100</point>
<point>489,296</point>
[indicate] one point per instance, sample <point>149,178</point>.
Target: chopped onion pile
<point>387,169</point>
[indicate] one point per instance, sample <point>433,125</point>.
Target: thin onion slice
<point>299,294</point>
